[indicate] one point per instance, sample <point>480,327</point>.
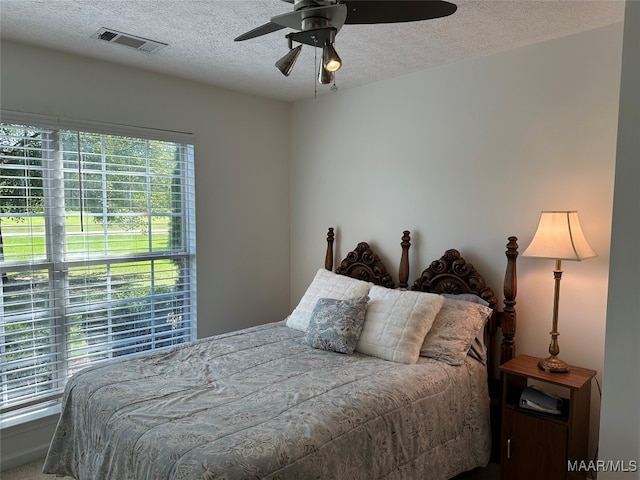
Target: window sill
<point>30,415</point>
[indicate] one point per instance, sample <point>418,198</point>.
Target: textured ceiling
<point>200,34</point>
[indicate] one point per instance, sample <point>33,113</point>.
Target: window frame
<point>58,267</point>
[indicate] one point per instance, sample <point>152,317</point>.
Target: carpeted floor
<point>33,471</point>
<point>30,471</point>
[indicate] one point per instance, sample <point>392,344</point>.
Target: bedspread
<point>261,403</point>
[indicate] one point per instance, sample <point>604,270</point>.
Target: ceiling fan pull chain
<point>315,62</point>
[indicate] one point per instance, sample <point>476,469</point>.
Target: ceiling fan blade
<point>261,30</point>
<point>336,14</point>
<point>395,11</point>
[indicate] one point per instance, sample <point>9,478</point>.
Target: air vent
<point>139,43</point>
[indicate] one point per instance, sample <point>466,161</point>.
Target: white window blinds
<point>97,254</point>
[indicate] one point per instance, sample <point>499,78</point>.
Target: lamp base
<point>553,364</point>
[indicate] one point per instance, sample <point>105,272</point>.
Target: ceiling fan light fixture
<point>325,77</point>
<point>318,21</point>
<point>285,64</point>
<point>330,58</point>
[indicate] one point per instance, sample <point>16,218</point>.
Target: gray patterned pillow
<point>478,349</point>
<point>336,325</point>
<point>455,327</point>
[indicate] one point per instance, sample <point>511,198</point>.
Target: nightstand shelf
<point>540,445</point>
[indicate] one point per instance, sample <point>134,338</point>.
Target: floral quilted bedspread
<point>261,403</point>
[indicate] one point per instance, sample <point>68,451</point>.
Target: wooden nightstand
<point>539,445</point>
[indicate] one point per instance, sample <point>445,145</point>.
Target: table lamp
<point>558,237</point>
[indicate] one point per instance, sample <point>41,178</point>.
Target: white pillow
<point>325,284</point>
<point>456,326</point>
<point>396,323</point>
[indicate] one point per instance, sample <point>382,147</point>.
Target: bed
<point>352,385</point>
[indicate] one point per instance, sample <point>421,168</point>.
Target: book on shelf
<point>536,399</point>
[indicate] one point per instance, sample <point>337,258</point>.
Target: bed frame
<point>449,274</point>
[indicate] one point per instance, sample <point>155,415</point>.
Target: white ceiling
<point>200,35</point>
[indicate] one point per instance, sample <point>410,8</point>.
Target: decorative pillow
<point>478,349</point>
<point>467,297</point>
<point>336,325</point>
<point>325,284</point>
<point>454,329</point>
<point>397,322</point>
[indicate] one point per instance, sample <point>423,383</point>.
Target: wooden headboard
<point>451,273</point>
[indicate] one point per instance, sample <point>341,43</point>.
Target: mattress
<point>261,403</point>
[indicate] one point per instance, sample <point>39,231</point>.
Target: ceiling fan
<point>318,21</point>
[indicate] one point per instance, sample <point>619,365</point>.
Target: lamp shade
<point>325,76</point>
<point>285,64</point>
<point>559,237</point>
<point>330,59</point>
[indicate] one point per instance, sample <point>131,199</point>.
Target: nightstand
<point>540,445</point>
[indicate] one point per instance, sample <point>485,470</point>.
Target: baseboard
<point>26,443</point>
<point>24,457</point>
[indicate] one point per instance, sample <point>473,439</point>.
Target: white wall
<point>242,190</point>
<point>620,430</point>
<point>464,156</point>
<point>241,155</point>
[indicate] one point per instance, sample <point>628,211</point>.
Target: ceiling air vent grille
<point>139,43</point>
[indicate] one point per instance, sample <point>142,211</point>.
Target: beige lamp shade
<point>559,237</point>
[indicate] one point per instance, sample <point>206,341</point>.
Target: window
<point>97,254</point>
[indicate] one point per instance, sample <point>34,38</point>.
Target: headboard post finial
<point>328,259</point>
<point>508,321</point>
<point>403,273</point>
